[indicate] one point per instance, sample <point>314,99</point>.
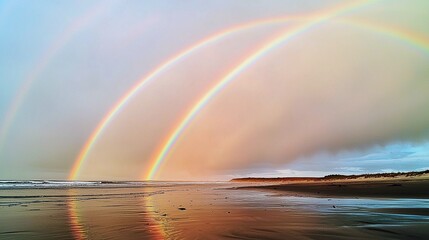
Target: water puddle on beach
<point>202,211</point>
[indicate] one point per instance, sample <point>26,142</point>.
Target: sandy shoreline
<point>207,211</point>
<point>416,188</point>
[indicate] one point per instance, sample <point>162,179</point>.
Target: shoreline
<point>370,188</point>
<point>205,211</point>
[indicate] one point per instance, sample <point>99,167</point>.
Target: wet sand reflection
<point>198,212</point>
<point>202,211</point>
<point>126,215</point>
<point>74,217</point>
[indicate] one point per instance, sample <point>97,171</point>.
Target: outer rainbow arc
<point>47,57</point>
<point>240,67</point>
<point>419,41</point>
<point>161,68</point>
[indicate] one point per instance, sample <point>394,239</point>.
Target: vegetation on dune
<point>333,177</point>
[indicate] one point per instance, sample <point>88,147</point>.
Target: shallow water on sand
<point>201,211</point>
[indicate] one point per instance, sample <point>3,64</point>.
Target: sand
<point>205,211</point>
<point>375,189</point>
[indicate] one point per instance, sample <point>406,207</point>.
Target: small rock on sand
<point>396,185</point>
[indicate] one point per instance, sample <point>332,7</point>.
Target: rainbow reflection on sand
<point>184,210</point>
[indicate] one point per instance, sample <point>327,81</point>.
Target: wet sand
<point>373,189</point>
<point>203,211</point>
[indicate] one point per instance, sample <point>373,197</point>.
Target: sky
<point>346,91</point>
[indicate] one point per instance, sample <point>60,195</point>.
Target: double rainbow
<point>310,21</point>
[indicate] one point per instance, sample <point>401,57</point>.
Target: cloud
<point>329,90</point>
<point>343,89</point>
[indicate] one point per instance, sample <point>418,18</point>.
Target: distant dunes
<point>337,177</point>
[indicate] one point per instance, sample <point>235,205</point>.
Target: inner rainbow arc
<point>160,69</point>
<point>413,39</point>
<point>400,34</point>
<point>252,58</point>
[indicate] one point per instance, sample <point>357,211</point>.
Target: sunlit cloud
<point>347,96</point>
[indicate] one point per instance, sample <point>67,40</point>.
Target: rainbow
<point>252,58</point>
<point>420,42</point>
<point>160,69</point>
<point>46,59</point>
<point>408,37</point>
<point>175,59</point>
<point>180,56</point>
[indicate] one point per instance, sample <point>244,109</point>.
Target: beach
<point>368,188</point>
<point>223,210</point>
